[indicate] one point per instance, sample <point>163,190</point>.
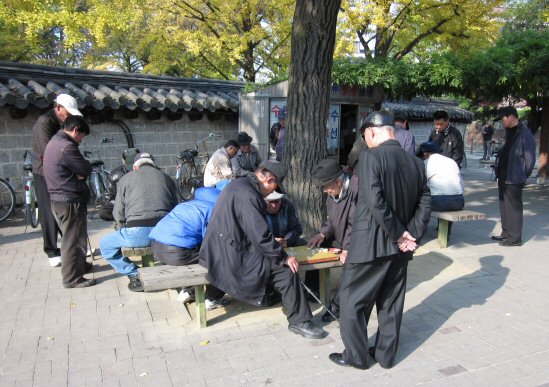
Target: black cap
<point>379,118</point>
<point>325,172</point>
<point>277,169</point>
<point>429,147</point>
<point>243,138</point>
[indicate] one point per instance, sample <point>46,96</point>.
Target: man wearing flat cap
<point>247,158</point>
<point>242,255</point>
<point>143,197</point>
<point>342,192</point>
<point>391,215</point>
<point>44,129</point>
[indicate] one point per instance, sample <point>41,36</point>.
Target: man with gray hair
<point>391,215</point>
<point>143,197</point>
<point>44,129</point>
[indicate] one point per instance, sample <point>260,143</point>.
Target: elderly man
<point>282,220</point>
<point>447,137</point>
<point>247,158</point>
<point>392,213</point>
<point>242,256</point>
<point>44,129</point>
<point>515,163</point>
<point>65,173</point>
<point>219,166</point>
<point>342,190</point>
<point>143,197</point>
<point>403,135</point>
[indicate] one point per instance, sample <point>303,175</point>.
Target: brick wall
<point>162,138</point>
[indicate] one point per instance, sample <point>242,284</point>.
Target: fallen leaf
<point>143,374</point>
<point>205,342</point>
<point>50,338</point>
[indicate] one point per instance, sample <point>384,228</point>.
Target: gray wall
<point>162,138</point>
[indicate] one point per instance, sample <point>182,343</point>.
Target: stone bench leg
<point>443,233</point>
<point>147,260</point>
<point>200,300</point>
<point>324,285</point>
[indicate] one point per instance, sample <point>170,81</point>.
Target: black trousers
<point>72,218</point>
<point>48,224</point>
<point>510,209</point>
<point>181,256</point>
<point>293,295</point>
<point>381,283</point>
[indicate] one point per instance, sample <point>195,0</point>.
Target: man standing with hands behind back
<point>44,129</point>
<point>391,214</point>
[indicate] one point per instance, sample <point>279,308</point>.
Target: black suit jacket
<point>393,197</point>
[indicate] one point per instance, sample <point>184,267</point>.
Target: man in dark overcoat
<point>448,138</point>
<point>391,215</point>
<point>242,256</point>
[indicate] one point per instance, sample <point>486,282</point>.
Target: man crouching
<point>242,256</point>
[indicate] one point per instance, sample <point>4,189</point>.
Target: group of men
<point>376,218</point>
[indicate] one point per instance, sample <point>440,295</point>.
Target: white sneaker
<point>55,261</point>
<point>214,304</point>
<point>185,297</point>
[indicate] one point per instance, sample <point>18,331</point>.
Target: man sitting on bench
<point>144,196</point>
<point>242,256</point>
<point>176,240</point>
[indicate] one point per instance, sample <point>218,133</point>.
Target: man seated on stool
<point>219,166</point>
<point>176,240</point>
<point>342,190</point>
<point>443,178</point>
<point>144,196</point>
<point>247,158</point>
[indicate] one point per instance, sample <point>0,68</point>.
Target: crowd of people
<point>239,225</point>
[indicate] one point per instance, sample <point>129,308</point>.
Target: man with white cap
<point>44,129</point>
<point>143,197</point>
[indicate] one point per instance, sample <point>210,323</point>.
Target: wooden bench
<point>167,277</point>
<point>142,254</point>
<point>453,216</point>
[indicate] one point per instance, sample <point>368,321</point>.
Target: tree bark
<point>544,138</point>
<point>310,79</point>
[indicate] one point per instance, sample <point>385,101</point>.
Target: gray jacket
<point>245,164</point>
<point>143,197</point>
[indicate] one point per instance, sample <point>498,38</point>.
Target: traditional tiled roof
<point>421,109</point>
<point>22,85</point>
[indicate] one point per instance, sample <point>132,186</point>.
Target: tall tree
<point>309,84</point>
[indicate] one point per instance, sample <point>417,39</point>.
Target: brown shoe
<point>83,283</point>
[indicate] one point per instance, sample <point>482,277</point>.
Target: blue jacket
<point>185,225</point>
<point>522,156</point>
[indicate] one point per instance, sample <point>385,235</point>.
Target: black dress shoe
<point>508,243</point>
<point>82,283</point>
<point>328,318</point>
<point>498,238</point>
<point>338,359</point>
<point>135,284</point>
<point>308,329</point>
<point>89,266</point>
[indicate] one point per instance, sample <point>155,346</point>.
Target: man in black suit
<point>391,215</point>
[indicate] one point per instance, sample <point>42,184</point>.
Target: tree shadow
<point>426,318</point>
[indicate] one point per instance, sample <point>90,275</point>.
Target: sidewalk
<point>475,314</point>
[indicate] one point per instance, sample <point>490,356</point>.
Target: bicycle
<point>189,175</point>
<point>7,199</point>
<point>98,180</point>
<point>32,213</point>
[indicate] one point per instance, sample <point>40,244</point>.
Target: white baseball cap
<point>273,196</point>
<point>69,103</point>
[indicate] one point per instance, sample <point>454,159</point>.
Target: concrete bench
<point>142,254</point>
<point>167,277</point>
<point>453,216</point>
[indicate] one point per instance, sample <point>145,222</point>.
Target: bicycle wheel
<point>7,200</point>
<point>184,184</point>
<point>32,215</point>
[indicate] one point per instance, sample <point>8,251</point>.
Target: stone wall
<point>163,138</point>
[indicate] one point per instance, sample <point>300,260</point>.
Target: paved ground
<point>476,314</point>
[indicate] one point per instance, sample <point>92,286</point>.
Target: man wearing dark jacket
<point>144,196</point>
<point>447,137</point>
<point>391,215</point>
<point>65,173</point>
<point>44,129</point>
<point>242,256</point>
<point>247,159</point>
<point>342,192</point>
<point>515,163</point>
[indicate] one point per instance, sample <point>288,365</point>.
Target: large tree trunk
<point>543,139</point>
<point>310,78</point>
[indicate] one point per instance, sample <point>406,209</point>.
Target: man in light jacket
<point>219,166</point>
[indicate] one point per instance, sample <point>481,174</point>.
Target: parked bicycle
<point>98,180</point>
<point>7,199</point>
<point>189,174</point>
<point>32,213</point>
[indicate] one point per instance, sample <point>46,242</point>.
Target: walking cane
<point>318,300</point>
<point>91,250</point>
